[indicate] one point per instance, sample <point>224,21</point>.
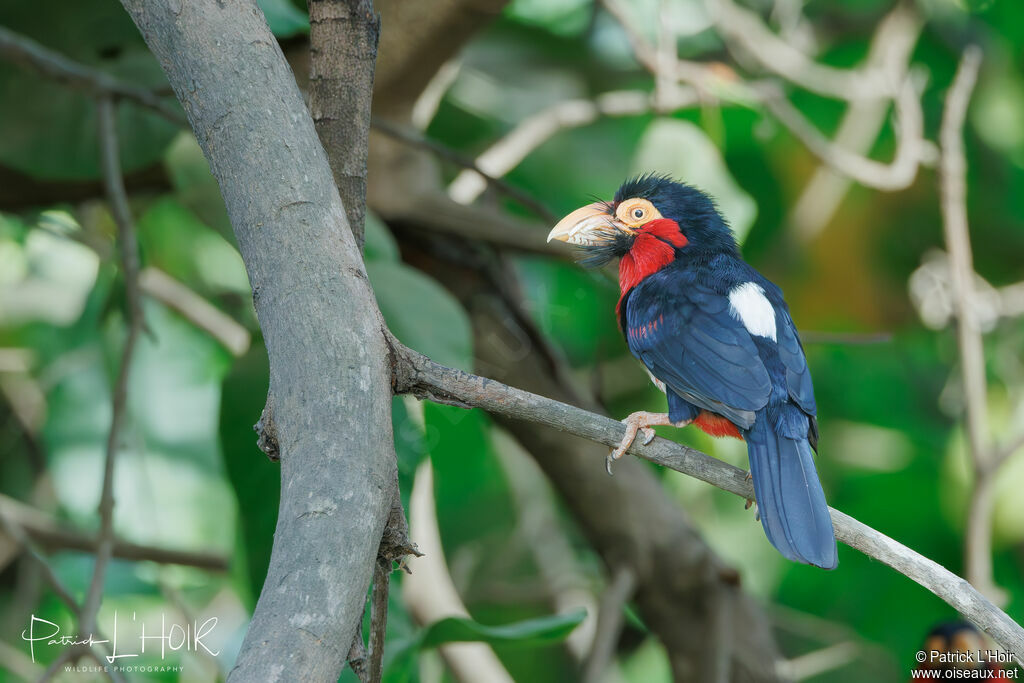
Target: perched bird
<point>717,338</point>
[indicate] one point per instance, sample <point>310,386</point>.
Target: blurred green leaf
<point>255,479</point>
<point>574,307</point>
<point>528,632</point>
<point>194,184</point>
<point>44,276</point>
<point>379,243</point>
<point>174,239</point>
<point>422,314</point>
<point>284,18</point>
<point>50,130</point>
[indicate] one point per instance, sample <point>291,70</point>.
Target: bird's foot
<point>750,501</point>
<point>642,422</point>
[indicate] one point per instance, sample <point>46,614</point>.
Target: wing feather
<point>701,351</point>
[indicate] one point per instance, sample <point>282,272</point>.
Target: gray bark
<point>343,50</point>
<point>329,363</point>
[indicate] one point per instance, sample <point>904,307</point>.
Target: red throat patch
<point>653,249</point>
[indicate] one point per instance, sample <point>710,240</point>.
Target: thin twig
<point>413,137</point>
<point>357,654</point>
<point>430,594</point>
<point>1008,450</point>
<point>30,54</point>
<point>62,591</point>
<point>953,173</point>
<point>379,616</point>
<point>533,131</point>
<point>896,175</point>
<point>820,661</point>
<point>744,28</point>
<point>418,375</point>
<point>114,183</point>
<point>609,624</point>
<point>662,60</point>
<point>51,535</point>
<point>33,550</point>
<point>953,189</point>
<point>891,49</point>
<point>197,310</point>
<point>65,657</point>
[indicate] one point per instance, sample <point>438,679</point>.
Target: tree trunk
<point>330,372</point>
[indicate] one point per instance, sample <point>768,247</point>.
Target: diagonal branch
<point>418,375</point>
<point>744,28</point>
<point>46,62</point>
<point>51,535</point>
<point>411,136</point>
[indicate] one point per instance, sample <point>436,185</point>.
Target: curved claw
<point>637,422</point>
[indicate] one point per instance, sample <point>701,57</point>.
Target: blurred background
<point>560,100</point>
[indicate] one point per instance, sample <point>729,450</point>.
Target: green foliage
<point>191,477</point>
<point>284,18</point>
<point>51,133</point>
<point>526,633</point>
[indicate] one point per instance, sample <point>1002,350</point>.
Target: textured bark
<point>330,372</point>
<point>343,50</point>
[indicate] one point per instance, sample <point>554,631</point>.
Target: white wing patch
<point>749,305</point>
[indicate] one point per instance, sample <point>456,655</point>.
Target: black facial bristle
<point>615,245</point>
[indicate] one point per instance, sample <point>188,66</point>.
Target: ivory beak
<point>588,225</point>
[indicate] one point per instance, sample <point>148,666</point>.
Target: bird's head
<point>651,220</point>
<point>955,645</point>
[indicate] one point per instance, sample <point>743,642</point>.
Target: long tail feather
<point>789,497</point>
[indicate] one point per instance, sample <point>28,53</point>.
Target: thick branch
<point>329,371</point>
<point>421,377</point>
<point>343,50</point>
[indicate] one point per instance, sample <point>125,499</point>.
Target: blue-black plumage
<point>719,339</point>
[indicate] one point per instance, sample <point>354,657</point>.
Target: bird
<point>955,649</point>
<point>717,337</point>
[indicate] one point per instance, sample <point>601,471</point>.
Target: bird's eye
<point>638,213</point>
